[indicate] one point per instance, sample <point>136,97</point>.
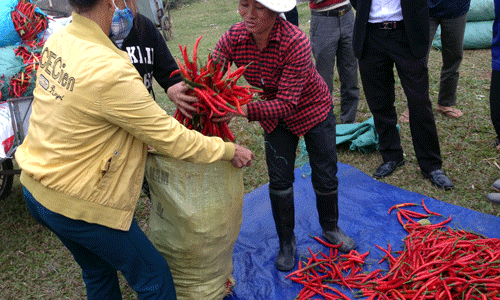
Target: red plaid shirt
<point>293,90</point>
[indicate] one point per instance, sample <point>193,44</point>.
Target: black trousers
<point>281,146</point>
<point>495,101</point>
<point>384,49</point>
<point>293,16</point>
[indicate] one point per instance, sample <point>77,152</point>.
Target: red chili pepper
<point>237,74</point>
<point>175,72</point>
<point>209,100</point>
<point>183,71</point>
<point>428,210</point>
<point>401,205</point>
<point>187,63</point>
<point>326,244</point>
<point>414,213</point>
<point>227,131</point>
<point>195,55</point>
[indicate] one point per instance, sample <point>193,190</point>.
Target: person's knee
<point>280,185</point>
<point>101,283</point>
<point>159,286</point>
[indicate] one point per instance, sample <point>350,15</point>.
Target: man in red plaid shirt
<point>296,102</point>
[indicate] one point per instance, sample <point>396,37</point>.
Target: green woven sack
<point>478,35</point>
<point>481,10</point>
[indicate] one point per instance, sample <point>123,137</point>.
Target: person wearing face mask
<point>149,53</point>
<point>121,24</point>
<point>296,103</point>
<point>83,158</point>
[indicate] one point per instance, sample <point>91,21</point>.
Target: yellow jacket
<point>84,154</point>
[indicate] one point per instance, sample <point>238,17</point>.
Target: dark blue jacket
<point>448,9</point>
<point>495,47</point>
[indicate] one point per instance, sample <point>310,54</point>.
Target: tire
<point>6,180</point>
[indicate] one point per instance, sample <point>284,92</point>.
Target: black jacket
<point>415,19</point>
<point>149,54</point>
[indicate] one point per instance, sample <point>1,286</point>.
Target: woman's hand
<point>178,93</point>
<point>242,157</point>
<point>227,117</point>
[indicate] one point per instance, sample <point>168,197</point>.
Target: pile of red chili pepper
<point>29,23</point>
<point>437,262</point>
<point>215,87</point>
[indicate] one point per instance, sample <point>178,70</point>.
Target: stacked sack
<point>22,25</point>
<point>479,27</point>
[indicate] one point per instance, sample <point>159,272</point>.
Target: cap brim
<point>279,6</point>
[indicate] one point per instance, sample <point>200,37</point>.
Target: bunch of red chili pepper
<point>27,21</point>
<point>29,24</point>
<point>20,83</point>
<point>437,263</point>
<point>215,87</point>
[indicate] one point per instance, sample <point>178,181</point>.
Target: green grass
<point>35,265</point>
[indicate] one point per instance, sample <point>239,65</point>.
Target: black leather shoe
<point>439,179</point>
<point>387,168</point>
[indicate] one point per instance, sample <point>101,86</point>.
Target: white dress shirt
<point>385,10</point>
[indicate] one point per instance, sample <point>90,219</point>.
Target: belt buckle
<point>387,25</point>
<point>342,12</point>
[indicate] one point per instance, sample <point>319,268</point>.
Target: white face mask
<point>123,20</point>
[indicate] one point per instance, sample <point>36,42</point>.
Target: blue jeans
<point>281,146</point>
<point>101,251</point>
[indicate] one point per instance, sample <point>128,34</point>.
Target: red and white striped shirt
<point>325,5</point>
<point>293,90</point>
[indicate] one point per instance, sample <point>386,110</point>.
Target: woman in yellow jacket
<point>84,155</point>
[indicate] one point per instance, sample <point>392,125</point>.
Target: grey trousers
<point>331,38</point>
<point>452,40</point>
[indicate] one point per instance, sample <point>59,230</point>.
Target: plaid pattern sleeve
<point>293,90</point>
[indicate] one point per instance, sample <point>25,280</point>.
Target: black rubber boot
<point>328,212</point>
<point>284,218</point>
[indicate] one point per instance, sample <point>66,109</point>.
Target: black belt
<point>389,25</point>
<point>337,12</point>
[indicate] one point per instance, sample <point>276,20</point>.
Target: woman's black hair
<point>83,4</point>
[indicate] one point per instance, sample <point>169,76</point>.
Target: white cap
<point>279,6</point>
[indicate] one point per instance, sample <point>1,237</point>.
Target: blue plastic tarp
<point>363,203</point>
<point>8,34</point>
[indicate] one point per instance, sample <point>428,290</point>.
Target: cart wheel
<point>6,180</point>
<point>166,25</point>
